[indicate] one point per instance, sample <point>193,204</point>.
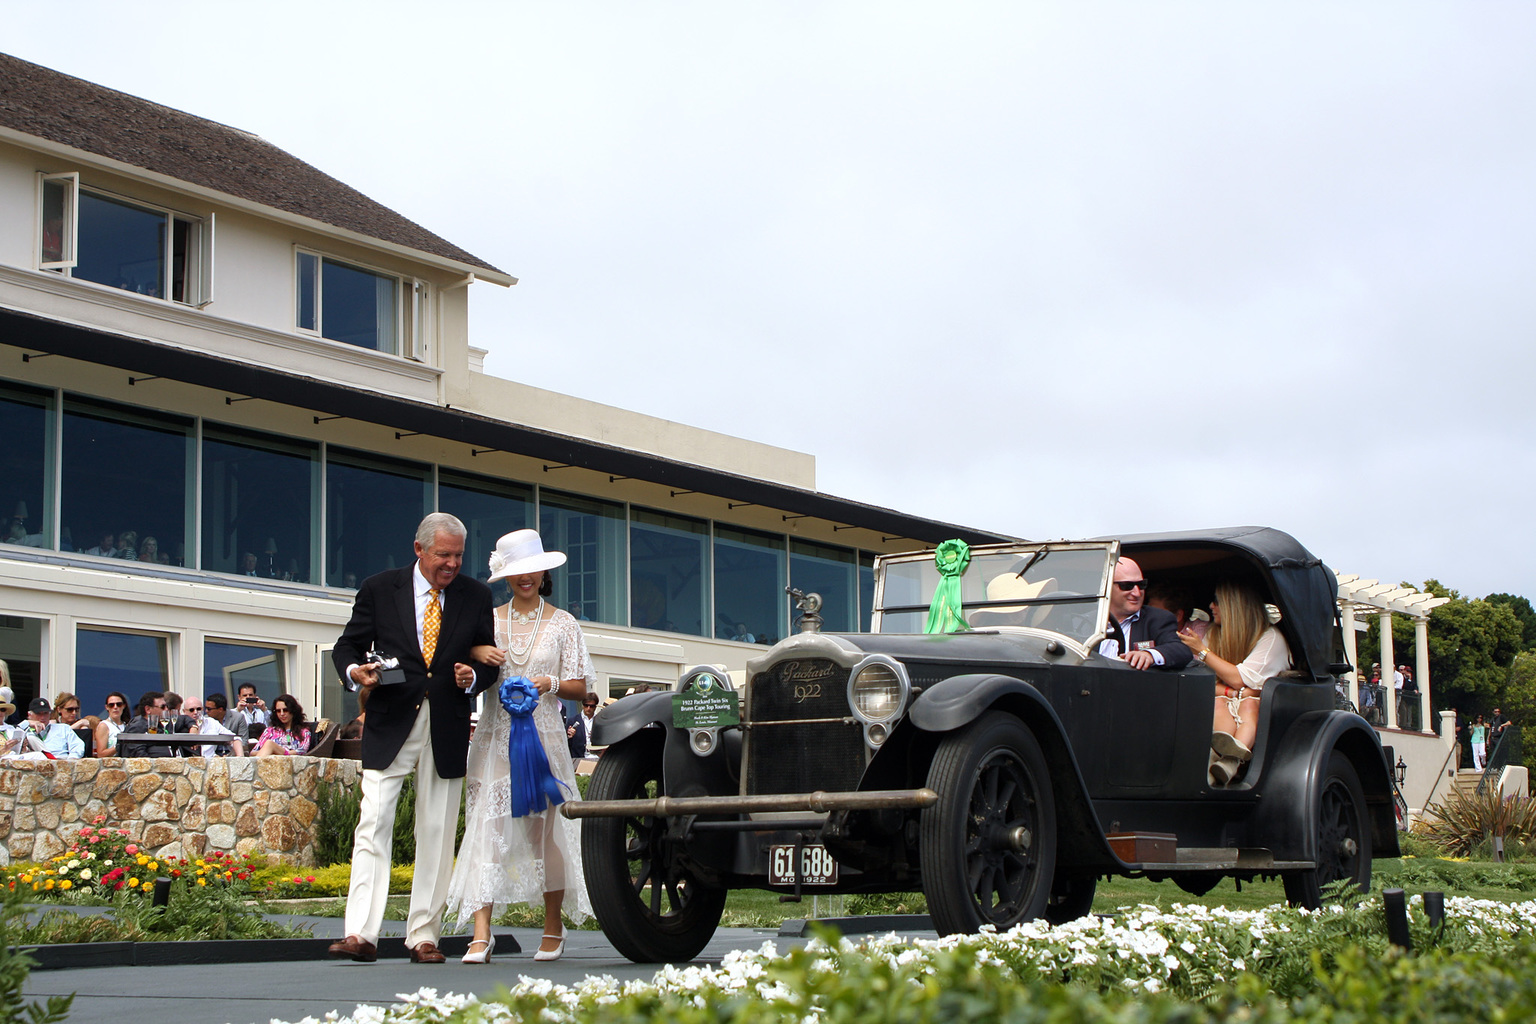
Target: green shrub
<point>16,965</point>
<point>1465,819</point>
<point>337,808</point>
<point>887,903</point>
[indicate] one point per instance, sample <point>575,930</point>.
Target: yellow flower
<point>27,879</point>
<point>49,884</point>
<point>202,881</point>
<point>133,883</point>
<point>154,865</point>
<point>142,860</point>
<point>65,884</point>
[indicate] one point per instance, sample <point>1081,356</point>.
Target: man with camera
<point>407,648</point>
<point>252,707</point>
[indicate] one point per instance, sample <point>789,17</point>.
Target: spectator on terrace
<point>66,711</point>
<point>149,719</point>
<point>113,723</point>
<point>287,733</point>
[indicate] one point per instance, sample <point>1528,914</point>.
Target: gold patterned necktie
<point>431,623</point>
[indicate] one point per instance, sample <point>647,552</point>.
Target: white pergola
<point>1360,597</point>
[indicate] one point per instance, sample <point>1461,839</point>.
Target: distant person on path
<point>428,617</point>
<point>1479,735</point>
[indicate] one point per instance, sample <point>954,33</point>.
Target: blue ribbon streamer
<point>533,785</point>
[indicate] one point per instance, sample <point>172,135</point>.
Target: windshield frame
<point>1041,553</point>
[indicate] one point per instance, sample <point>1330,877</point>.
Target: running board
<point>683,806</point>
<point>1221,858</point>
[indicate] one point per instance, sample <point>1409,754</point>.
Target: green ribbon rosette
<point>944,616</point>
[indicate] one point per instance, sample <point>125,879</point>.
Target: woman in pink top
<point>286,734</point>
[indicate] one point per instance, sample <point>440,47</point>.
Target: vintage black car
<point>1001,769</point>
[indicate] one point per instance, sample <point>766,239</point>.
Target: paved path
<point>258,993</point>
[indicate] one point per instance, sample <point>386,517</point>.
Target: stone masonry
<point>171,806</point>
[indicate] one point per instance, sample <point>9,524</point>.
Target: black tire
<point>988,846</point>
<point>1342,836</point>
<point>669,922</point>
<point>1071,898</point>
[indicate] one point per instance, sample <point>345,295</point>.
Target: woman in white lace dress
<point>537,857</point>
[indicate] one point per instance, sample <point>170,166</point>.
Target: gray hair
<point>436,523</point>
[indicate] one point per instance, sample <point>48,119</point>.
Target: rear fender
<point>1296,770</point>
<point>959,700</point>
<point>684,773</point>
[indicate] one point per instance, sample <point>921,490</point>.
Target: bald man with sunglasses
<point>1142,635</point>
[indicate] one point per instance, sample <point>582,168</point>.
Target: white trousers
<point>437,815</point>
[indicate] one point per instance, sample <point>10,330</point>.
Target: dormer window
<point>94,236</point>
<point>345,302</point>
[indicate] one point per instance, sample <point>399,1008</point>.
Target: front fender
<point>959,700</point>
<point>1295,774</point>
<point>628,715</point>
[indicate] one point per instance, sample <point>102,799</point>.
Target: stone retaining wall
<point>171,806</point>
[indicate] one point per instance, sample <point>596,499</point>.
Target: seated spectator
<point>46,738</point>
<point>149,719</point>
<point>66,710</point>
<point>1245,651</point>
<point>253,707</point>
<point>287,734</point>
<point>10,740</point>
<point>353,730</point>
<point>127,545</point>
<point>108,727</point>
<point>149,550</point>
<point>8,696</point>
<point>1140,635</point>
<point>219,719</point>
<point>107,548</point>
<point>1181,602</point>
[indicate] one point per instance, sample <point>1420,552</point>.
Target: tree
<point>1520,697</point>
<point>1471,645</point>
<point>1523,611</point>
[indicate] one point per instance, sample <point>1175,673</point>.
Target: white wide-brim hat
<point>521,552</point>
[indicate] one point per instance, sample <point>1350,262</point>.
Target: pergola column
<point>1351,652</point>
<point>1421,667</point>
<point>1387,665</point>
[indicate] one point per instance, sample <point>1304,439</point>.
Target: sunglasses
<point>1130,585</point>
<point>211,707</point>
<point>75,709</point>
<point>116,704</point>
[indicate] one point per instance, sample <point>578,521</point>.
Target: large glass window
<point>828,571</point>
<point>25,502</point>
<point>127,473</point>
<point>488,508</point>
<point>668,573</point>
<point>591,533</point>
<point>130,663</point>
<point>749,586</point>
<point>110,241</point>
<point>348,303</point>
<point>372,508</point>
<point>259,504</point>
<point>228,666</point>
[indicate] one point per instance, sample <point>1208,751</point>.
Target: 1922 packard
<point>1001,769</point>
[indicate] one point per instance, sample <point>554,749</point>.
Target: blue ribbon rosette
<point>534,787</point>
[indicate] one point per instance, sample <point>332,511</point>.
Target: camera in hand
<point>390,672</point>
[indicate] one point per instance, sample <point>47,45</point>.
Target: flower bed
<point>1194,964</point>
<point>103,861</point>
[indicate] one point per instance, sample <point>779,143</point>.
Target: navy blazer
<point>1155,629</point>
<point>384,615</point>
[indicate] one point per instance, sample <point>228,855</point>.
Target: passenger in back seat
<point>1244,650</point>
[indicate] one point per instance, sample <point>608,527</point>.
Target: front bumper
<point>818,802</point>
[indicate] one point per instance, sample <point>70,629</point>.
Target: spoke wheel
<point>988,845</point>
<point>1343,837</point>
<point>649,906</point>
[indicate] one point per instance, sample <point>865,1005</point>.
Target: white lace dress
<point>506,860</point>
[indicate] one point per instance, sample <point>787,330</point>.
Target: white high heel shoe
<point>551,954</point>
<point>482,957</point>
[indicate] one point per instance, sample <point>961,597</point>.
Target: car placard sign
<point>705,703</point>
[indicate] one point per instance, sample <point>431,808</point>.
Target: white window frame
<point>412,303</point>
<point>69,233</point>
<point>200,237</point>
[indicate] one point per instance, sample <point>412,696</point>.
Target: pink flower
<point>133,849</point>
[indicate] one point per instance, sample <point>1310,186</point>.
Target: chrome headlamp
<point>878,689</point>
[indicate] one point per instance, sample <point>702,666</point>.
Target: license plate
<point>816,865</point>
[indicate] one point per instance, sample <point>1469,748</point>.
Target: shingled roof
<point>70,111</point>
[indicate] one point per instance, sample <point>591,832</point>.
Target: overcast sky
<point>1048,270</point>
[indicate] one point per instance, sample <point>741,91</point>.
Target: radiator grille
<point>802,755</point>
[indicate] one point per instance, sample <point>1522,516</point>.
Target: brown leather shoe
<point>427,953</point>
<point>354,947</point>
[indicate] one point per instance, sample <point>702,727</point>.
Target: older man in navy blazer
<point>1145,636</point>
<point>428,617</point>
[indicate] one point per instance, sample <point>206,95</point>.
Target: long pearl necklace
<point>519,655</point>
